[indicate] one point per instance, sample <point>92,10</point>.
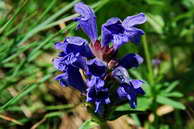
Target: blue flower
<point>75,45</point>
<point>118,32</point>
<point>72,77</point>
<point>128,88</point>
<point>76,61</point>
<point>87,20</point>
<point>131,60</point>
<point>121,74</point>
<point>70,65</point>
<point>97,93</point>
<point>130,91</point>
<point>89,67</point>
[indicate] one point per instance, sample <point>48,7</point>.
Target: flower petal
<point>99,96</point>
<point>60,45</point>
<point>133,100</point>
<point>59,63</point>
<point>121,93</point>
<point>121,74</point>
<point>72,77</point>
<point>131,60</point>
<point>137,85</point>
<point>62,79</point>
<point>112,26</point>
<point>97,67</point>
<point>119,40</point>
<point>130,91</point>
<point>70,65</point>
<point>106,36</point>
<point>87,20</point>
<point>131,94</point>
<point>78,61</point>
<point>95,81</point>
<point>134,20</point>
<point>75,45</point>
<point>134,34</point>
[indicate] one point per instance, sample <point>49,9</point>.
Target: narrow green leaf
<point>54,114</point>
<point>50,6</point>
<point>19,51</point>
<point>21,24</point>
<point>59,107</point>
<point>63,20</point>
<point>18,97</point>
<point>22,5</point>
<point>34,56</point>
<point>60,12</point>
<point>172,86</point>
<point>49,20</point>
<point>168,101</point>
<point>174,94</point>
<point>42,44</point>
<point>18,67</point>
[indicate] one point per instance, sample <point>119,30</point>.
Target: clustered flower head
<point>92,68</point>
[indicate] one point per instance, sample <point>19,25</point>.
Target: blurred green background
<point>31,98</point>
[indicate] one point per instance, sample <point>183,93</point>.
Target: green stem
<point>150,78</point>
<point>148,61</point>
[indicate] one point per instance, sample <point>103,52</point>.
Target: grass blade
<point>13,17</point>
<point>18,97</point>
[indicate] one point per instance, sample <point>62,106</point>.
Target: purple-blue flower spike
<point>87,20</point>
<point>98,61</point>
